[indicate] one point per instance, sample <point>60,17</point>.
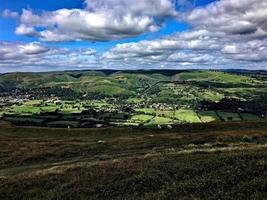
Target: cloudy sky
<point>132,34</point>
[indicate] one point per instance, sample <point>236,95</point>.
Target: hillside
<point>133,98</point>
<point>123,79</point>
<point>200,161</point>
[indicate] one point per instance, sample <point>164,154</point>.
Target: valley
<point>132,98</point>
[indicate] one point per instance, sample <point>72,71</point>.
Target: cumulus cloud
<point>9,14</point>
<point>32,48</point>
<point>225,33</point>
<point>199,40</point>
<point>194,48</point>
<point>151,8</point>
<point>99,21</point>
<point>102,20</point>
<point>10,50</point>
<point>252,51</point>
<point>27,31</point>
<point>35,56</point>
<point>245,17</point>
<point>191,58</point>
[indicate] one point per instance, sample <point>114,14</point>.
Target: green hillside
<point>125,97</point>
<point>215,76</point>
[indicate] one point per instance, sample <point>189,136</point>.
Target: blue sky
<point>132,34</point>
<point>9,25</point>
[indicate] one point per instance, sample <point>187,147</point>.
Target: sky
<point>132,34</point>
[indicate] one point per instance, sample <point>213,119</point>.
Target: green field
<point>165,113</point>
<point>249,117</point>
<point>228,116</point>
<point>141,118</point>
<point>146,110</point>
<point>186,115</point>
<point>208,116</point>
<point>214,76</point>
<point>160,121</point>
<point>135,100</point>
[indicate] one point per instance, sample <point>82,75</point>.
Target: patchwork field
<point>132,98</point>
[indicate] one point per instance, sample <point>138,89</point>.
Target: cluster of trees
<point>256,106</point>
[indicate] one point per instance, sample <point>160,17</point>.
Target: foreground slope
<point>199,161</point>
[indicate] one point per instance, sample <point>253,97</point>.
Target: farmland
<point>132,98</point>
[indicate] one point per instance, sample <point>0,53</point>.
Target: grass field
<point>135,100</point>
<point>37,106</point>
<point>228,116</point>
<point>197,161</point>
<point>213,76</point>
<point>248,117</point>
<point>25,109</point>
<point>33,102</point>
<point>141,118</point>
<point>160,121</point>
<point>187,115</point>
<point>165,113</point>
<point>146,110</point>
<point>208,116</point>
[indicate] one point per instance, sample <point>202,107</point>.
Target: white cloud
<point>191,58</point>
<point>24,30</point>
<point>195,48</point>
<point>230,49</point>
<point>10,50</point>
<point>35,56</point>
<point>200,40</point>
<point>9,14</point>
<point>32,48</point>
<point>99,21</point>
<point>226,33</point>
<point>244,17</point>
<point>152,8</point>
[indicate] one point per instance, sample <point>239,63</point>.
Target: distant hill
<point>116,78</point>
<point>154,96</point>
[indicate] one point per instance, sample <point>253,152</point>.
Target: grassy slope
<point>78,79</point>
<point>117,82</point>
<point>187,115</point>
<point>212,76</point>
<point>144,87</point>
<point>200,161</point>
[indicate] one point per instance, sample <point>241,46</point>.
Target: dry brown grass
<point>70,161</point>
